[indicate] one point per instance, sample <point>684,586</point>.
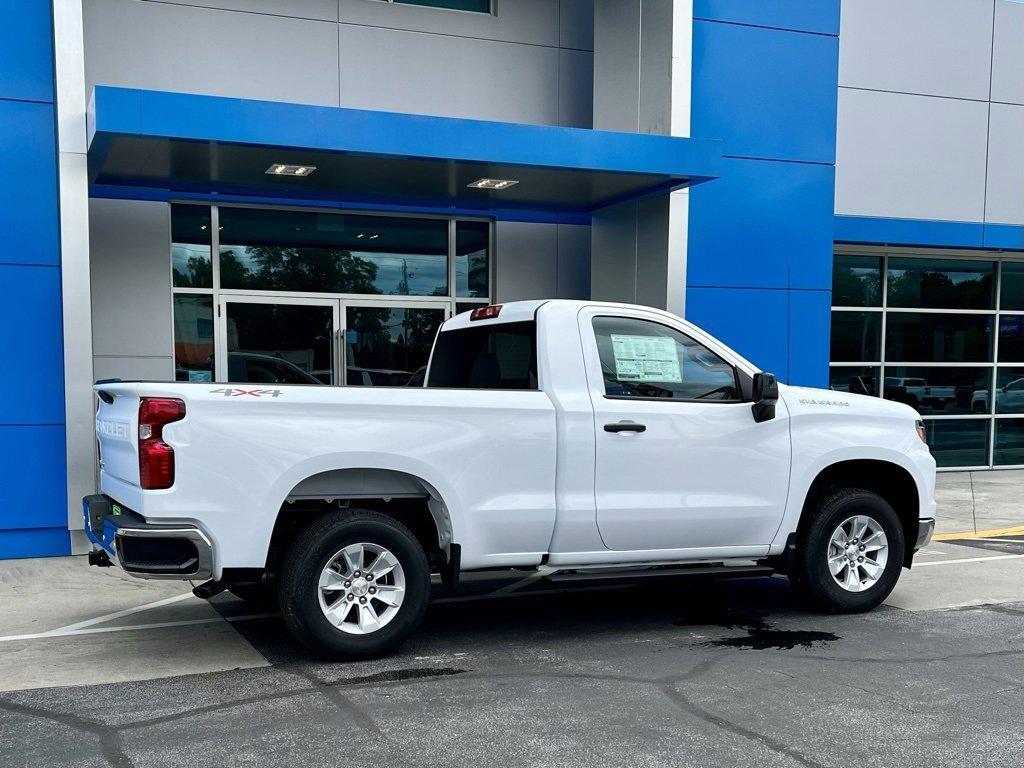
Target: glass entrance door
<point>279,340</point>
<point>388,344</point>
<point>296,340</point>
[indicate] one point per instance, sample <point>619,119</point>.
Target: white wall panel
<point>324,10</point>
<point>198,50</point>
<point>516,21</point>
<point>1004,198</point>
<point>129,243</point>
<point>939,47</point>
<point>452,76</point>
<point>1008,53</point>
<point>910,156</point>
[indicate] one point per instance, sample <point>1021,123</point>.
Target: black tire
<point>810,574</point>
<point>262,596</point>
<point>309,554</point>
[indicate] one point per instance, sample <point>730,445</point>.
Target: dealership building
<point>300,191</point>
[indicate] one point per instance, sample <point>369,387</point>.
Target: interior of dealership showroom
<point>835,190</point>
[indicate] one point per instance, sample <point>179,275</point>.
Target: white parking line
<point>968,560</point>
<point>118,614</point>
<point>131,627</point>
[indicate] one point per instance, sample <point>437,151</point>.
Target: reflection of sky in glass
<point>182,252</point>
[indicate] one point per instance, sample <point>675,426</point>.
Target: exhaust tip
<point>208,589</point>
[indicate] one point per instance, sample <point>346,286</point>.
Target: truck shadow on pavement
<point>732,613</point>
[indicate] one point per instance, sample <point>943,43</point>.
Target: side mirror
<point>766,395</point>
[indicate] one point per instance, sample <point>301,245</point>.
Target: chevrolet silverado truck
<point>576,437</point>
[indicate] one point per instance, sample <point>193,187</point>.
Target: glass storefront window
<point>941,283</point>
<point>938,338</point>
<point>857,281</point>
<point>472,261</point>
<point>477,6</point>
<point>303,251</point>
<point>862,380</point>
<point>1010,390</point>
<point>1011,338</point>
<point>1009,442</point>
<point>1011,288</point>
<point>193,337</point>
<point>932,391</point>
<point>958,442</point>
<point>191,263</point>
<point>856,336</point>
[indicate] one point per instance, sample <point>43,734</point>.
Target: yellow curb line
<point>1013,531</point>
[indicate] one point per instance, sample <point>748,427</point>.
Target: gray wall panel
<point>1004,197</point>
<point>910,156</point>
<point>526,260</point>
<point>452,76</point>
<point>576,24</point>
<point>324,10</point>
<point>129,243</point>
<point>616,65</point>
<point>134,368</point>
<point>515,21</point>
<point>939,47</point>
<point>1008,53</point>
<point>576,88</point>
<point>573,261</point>
<point>182,48</point>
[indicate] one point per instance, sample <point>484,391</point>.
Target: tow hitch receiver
<point>100,559</point>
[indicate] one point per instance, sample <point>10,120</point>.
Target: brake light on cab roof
<point>485,313</point>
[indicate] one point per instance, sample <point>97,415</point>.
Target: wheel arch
<point>889,480</point>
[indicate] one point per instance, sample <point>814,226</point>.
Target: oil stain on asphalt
<point>760,636</point>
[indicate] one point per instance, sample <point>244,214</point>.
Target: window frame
<point>491,7</point>
<point>994,364</point>
<point>642,398</point>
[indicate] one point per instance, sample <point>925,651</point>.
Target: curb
<point>1012,531</point>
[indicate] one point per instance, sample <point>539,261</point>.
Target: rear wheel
<point>850,554</point>
<point>354,584</point>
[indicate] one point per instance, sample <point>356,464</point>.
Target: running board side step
<point>654,573</point>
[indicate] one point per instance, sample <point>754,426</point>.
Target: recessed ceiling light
<point>493,183</point>
<point>280,169</point>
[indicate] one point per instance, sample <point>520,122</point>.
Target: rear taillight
<point>156,458</point>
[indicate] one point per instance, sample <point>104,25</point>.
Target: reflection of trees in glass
<point>945,287</point>
<point>391,339</point>
<point>856,286</point>
<point>280,268</point>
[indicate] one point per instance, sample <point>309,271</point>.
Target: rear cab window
<point>489,356</point>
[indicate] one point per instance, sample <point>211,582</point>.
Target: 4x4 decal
<point>239,392</point>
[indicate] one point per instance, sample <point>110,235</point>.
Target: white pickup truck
<point>565,435</point>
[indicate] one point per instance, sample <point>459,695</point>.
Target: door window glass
<point>472,259</point>
<point>641,358</point>
<point>280,343</point>
<point>193,337</point>
<point>493,356</point>
<point>389,346</point>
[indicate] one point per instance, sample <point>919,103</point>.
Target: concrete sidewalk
<point>977,502</point>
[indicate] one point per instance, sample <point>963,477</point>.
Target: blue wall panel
<point>764,224</point>
<point>754,322</point>
<point>765,92</point>
<point>759,263</point>
<point>820,16</point>
<point>28,192</point>
<point>809,319</point>
<point>30,336</point>
<point>33,519</point>
<point>33,472</point>
<point>26,50</point>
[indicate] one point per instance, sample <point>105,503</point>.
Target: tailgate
<point>117,430</point>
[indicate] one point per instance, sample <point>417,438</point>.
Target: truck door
<point>680,461</point>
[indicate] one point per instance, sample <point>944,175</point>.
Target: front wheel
<point>849,556</point>
<point>354,584</point>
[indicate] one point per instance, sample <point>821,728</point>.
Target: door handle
<point>625,426</point>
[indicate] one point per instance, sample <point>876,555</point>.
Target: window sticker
<point>646,358</point>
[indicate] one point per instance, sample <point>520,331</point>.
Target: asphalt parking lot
<point>677,672</point>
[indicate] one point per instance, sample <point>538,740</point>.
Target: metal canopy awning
<point>186,143</point>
